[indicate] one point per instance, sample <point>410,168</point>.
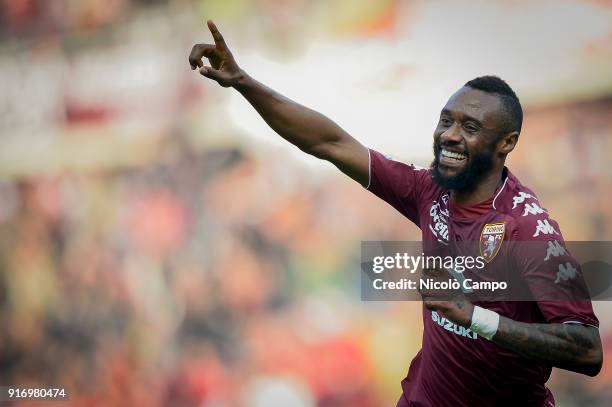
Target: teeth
<point>450,154</point>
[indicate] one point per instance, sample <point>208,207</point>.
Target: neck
<point>482,191</point>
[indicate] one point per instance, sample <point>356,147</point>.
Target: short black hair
<point>510,102</point>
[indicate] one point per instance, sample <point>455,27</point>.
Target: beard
<point>478,166</point>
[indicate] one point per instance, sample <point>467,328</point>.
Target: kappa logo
<point>544,228</point>
<point>491,240</point>
<point>520,198</point>
<point>566,272</point>
<point>554,250</point>
<point>419,167</point>
<point>414,166</point>
<point>533,209</point>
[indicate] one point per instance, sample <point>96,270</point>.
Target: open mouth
<point>452,157</point>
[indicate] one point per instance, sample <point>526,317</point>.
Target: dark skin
<point>471,122</point>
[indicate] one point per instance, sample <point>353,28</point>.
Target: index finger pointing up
<point>219,41</point>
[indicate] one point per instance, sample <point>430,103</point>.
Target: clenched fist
<point>452,303</point>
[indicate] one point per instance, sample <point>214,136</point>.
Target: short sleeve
<point>553,276</point>
<point>399,184</point>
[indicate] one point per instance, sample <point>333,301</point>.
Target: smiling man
<point>473,354</point>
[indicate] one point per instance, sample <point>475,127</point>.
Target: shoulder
<point>404,186</point>
<point>385,167</point>
<point>380,159</point>
<point>536,227</point>
<point>529,219</point>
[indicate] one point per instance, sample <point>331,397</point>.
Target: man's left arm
<point>569,346</point>
<point>568,337</point>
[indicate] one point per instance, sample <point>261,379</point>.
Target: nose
<point>451,135</point>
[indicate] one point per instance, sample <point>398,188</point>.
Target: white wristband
<point>484,322</point>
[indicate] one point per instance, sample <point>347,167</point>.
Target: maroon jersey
<point>455,366</point>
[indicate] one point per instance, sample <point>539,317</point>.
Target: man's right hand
<point>305,128</point>
<point>223,67</point>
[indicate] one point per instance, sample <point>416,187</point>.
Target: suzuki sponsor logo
<point>452,327</point>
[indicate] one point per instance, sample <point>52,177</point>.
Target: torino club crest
<point>491,239</point>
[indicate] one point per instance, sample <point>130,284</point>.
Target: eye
<point>445,121</point>
<point>470,128</point>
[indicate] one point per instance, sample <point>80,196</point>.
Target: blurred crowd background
<point>159,246</point>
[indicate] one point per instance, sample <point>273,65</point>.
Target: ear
<point>507,143</point>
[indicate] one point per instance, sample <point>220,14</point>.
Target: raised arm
<point>307,129</point>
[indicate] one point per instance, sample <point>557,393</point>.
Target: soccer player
<point>500,353</point>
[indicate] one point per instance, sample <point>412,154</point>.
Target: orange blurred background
<point>160,246</point>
